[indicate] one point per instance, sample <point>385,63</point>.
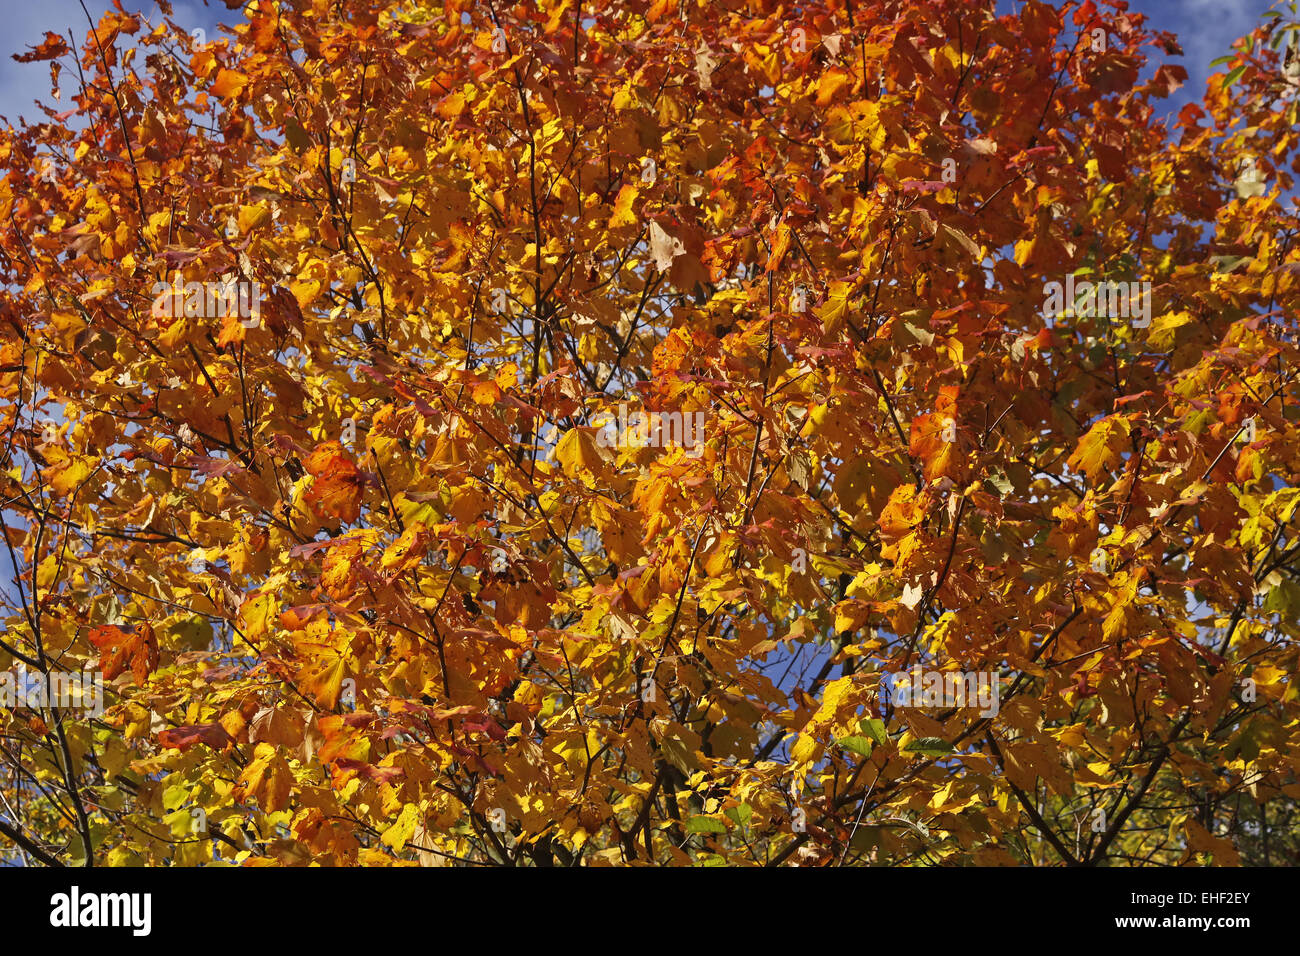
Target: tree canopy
<point>463,433</point>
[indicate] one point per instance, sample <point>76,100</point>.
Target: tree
<point>556,434</point>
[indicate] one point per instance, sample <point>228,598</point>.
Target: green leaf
<point>678,754</point>
<point>865,837</point>
<point>1222,59</point>
<point>1000,482</point>
<point>859,745</point>
<point>1245,744</point>
<point>741,814</point>
<point>1228,263</point>
<point>929,747</point>
<point>1234,76</point>
<point>1196,422</point>
<point>1283,599</point>
<point>297,137</point>
<point>875,729</point>
<point>703,824</point>
<point>191,632</point>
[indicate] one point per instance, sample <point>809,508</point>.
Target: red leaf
<point>181,738</point>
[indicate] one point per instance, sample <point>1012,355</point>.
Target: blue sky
<point>27,20</point>
<point>1204,27</point>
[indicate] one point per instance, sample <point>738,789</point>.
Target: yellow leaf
<point>623,214</point>
<point>805,748</point>
<point>834,695</point>
<point>323,675</point>
<point>267,778</point>
<point>305,291</point>
<point>578,455</point>
<point>829,84</point>
<point>1099,450</point>
<point>452,106</point>
<point>1024,249</point>
<point>1162,329</point>
<point>229,83</point>
<point>257,614</point>
<point>159,221</point>
<point>836,308</point>
<point>67,475</point>
<point>397,834</point>
<point>250,217</point>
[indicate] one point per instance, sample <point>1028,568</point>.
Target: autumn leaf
<point>180,738</point>
<point>267,779</point>
<point>337,484</point>
<point>1100,449</point>
<point>323,674</point>
<point>624,214</point>
<point>664,248</point>
<point>135,650</point>
<point>51,48</point>
<point>628,396</point>
<point>229,83</point>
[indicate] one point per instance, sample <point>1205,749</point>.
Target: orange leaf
<point>120,649</point>
<point>229,83</point>
<point>337,488</point>
<point>1099,450</point>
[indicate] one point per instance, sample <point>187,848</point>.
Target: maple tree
<point>368,586</point>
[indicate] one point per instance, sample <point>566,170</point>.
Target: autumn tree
<point>546,434</point>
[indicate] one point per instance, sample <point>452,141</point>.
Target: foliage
<point>368,580</point>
